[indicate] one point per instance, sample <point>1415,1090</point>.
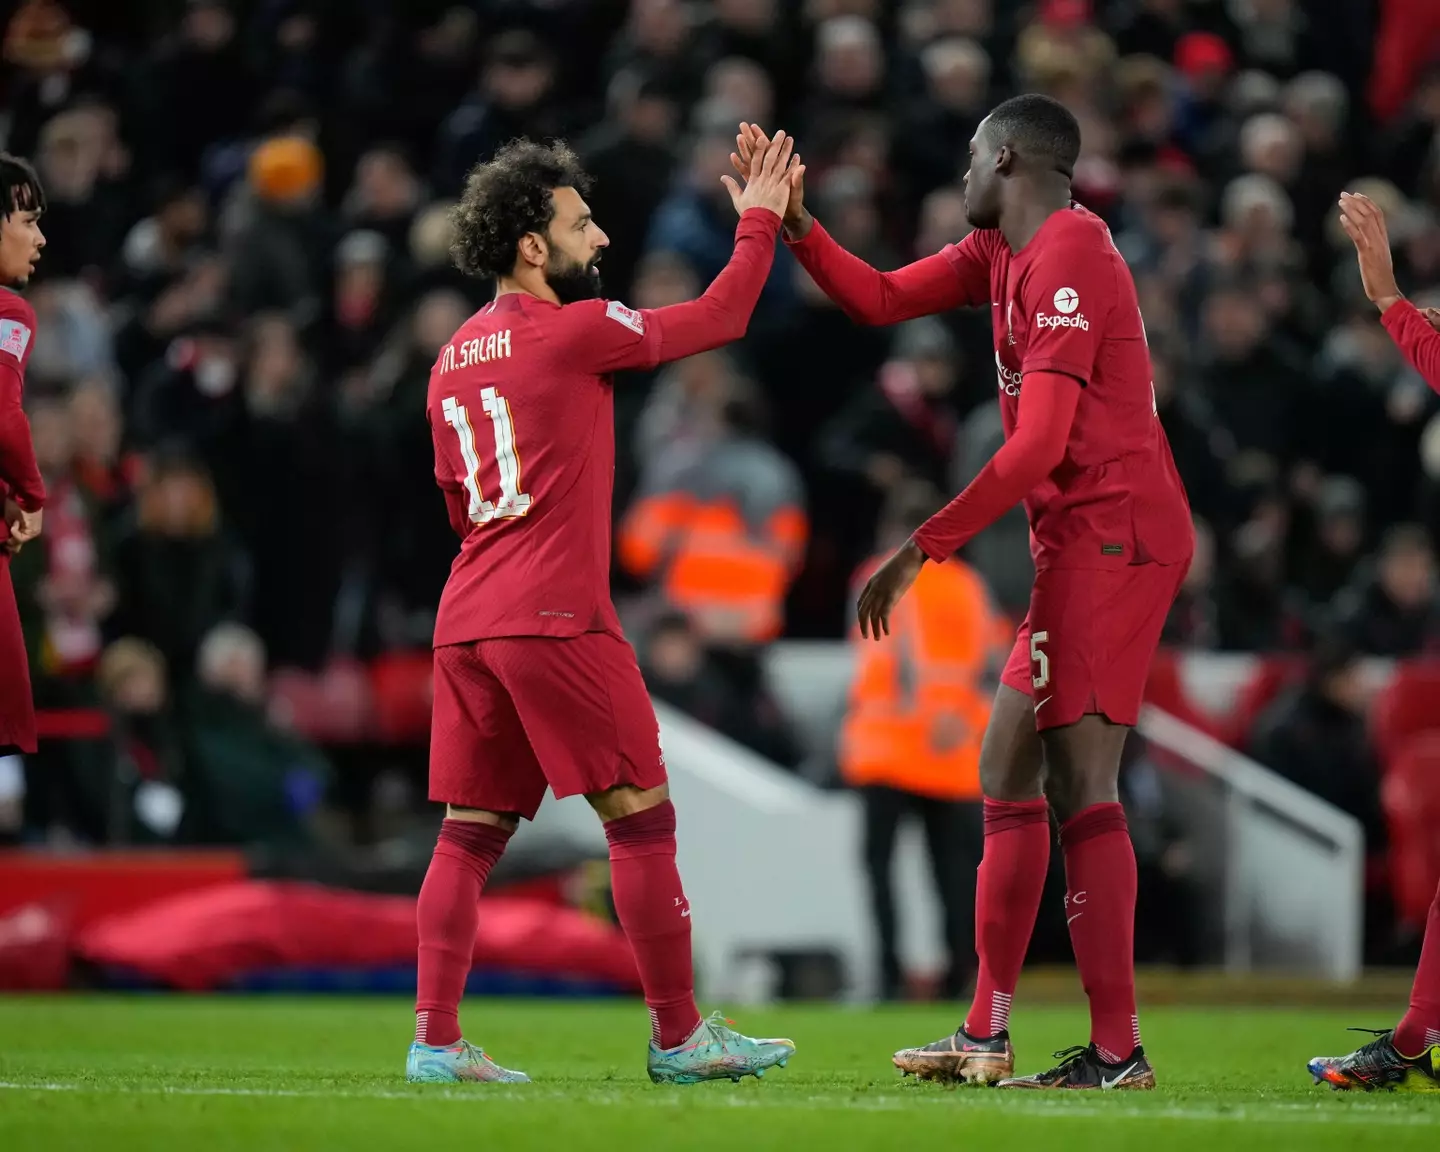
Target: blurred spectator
<point>413,558</point>
<point>903,426</point>
<point>1194,619</point>
<point>1001,554</point>
<point>1316,737</point>
<point>679,671</point>
<point>1253,610</point>
<point>385,196</point>
<point>720,531</point>
<point>199,89</point>
<point>295,558</point>
<point>277,232</point>
<point>190,395</point>
<point>849,71</point>
<point>696,221</point>
<point>1330,557</point>
<point>247,782</point>
<point>919,703</point>
<point>1254,386</point>
<point>1169,903</point>
<point>159,247</point>
<point>177,574</point>
<point>1390,609</point>
<point>935,136</point>
<point>65,592</point>
<point>79,159</point>
<point>516,97</point>
<point>139,799</point>
<point>659,39</point>
<point>630,157</point>
<point>362,301</point>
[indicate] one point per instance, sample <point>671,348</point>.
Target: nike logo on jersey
<point>1043,703</point>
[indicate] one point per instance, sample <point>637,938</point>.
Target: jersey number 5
<point>512,502</point>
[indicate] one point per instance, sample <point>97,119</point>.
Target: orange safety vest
<point>920,700</point>
<point>730,582</point>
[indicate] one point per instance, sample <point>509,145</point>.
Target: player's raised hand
<point>884,589</point>
<point>751,143</point>
<point>767,183</point>
<point>1364,223</point>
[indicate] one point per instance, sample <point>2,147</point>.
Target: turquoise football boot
<point>716,1051</point>
<point>456,1064</point>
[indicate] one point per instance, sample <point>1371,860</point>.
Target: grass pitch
<point>116,1073</point>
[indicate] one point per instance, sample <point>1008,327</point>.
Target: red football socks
<point>1421,1026</point>
<point>1007,900</point>
<point>1100,911</point>
<point>446,916</point>
<point>653,911</point>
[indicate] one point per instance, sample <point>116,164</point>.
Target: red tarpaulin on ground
<point>205,939</point>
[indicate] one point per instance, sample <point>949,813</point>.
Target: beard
<point>572,281</point>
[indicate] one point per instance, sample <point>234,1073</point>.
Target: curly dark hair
<point>507,197</point>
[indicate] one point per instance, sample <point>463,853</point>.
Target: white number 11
<point>512,502</point>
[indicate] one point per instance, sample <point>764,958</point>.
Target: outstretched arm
<point>723,313</point>
<point>869,296</point>
<point>656,336</point>
<point>957,276</point>
<point>1413,330</point>
<point>1047,410</point>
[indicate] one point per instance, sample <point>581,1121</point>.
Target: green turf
<point>109,1074</point>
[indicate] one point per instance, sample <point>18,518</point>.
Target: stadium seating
<point>1407,706</point>
<point>1411,797</point>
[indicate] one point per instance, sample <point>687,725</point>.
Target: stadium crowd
<point>247,281</point>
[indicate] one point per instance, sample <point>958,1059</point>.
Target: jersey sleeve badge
<point>626,316</point>
<point>14,338</point>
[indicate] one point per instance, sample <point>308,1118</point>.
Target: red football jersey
<point>20,477</point>
<point>1066,302</point>
<point>523,422</point>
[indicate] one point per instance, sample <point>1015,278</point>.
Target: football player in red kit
<point>1406,1057</point>
<point>535,685</point>
<point>1111,536</point>
<point>22,200</point>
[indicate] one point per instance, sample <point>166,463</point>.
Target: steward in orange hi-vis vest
<point>921,697</point>
<point>910,744</point>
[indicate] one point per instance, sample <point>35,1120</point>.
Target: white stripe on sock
<point>999,1012</point>
<point>654,1028</point>
<point>1432,1037</point>
<point>1106,1055</point>
<point>422,1020</point>
<point>1135,1029</point>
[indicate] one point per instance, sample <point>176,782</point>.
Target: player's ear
<point>533,250</point>
<point>1004,160</point>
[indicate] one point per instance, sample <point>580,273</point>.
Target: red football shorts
<point>515,714</point>
<point>17,704</point>
<point>1088,640</point>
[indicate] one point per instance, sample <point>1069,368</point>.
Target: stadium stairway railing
<point>1284,870</point>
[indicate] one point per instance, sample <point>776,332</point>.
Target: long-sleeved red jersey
<point>1420,342</point>
<point>523,424</point>
<point>20,478</point>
